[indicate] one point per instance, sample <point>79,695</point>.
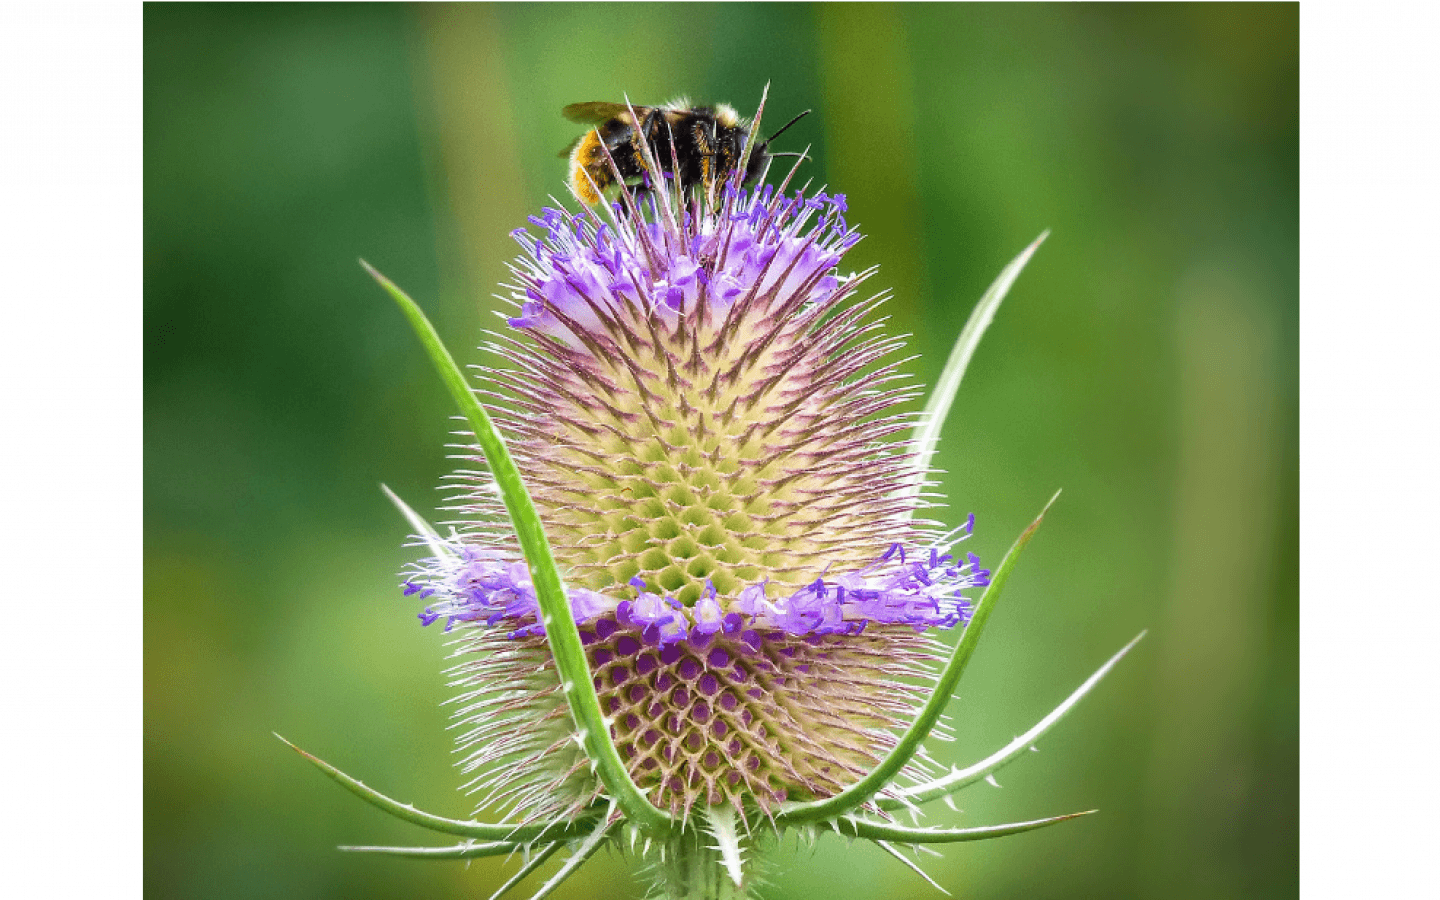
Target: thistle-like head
<point>707,425</point>
<point>695,598</point>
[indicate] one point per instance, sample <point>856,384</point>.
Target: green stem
<point>691,868</point>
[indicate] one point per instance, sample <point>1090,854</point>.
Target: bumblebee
<point>699,145</point>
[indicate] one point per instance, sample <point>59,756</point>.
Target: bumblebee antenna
<point>766,142</point>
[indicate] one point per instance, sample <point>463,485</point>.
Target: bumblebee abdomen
<point>589,169</point>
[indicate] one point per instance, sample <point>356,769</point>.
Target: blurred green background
<point>1146,363</point>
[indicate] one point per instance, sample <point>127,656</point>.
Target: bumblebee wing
<point>595,112</point>
<point>570,147</point>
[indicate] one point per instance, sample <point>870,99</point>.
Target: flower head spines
<point>703,414</point>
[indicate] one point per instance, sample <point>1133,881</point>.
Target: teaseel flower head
<point>696,596</point>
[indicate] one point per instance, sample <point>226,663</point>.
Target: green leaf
<point>593,731</point>
<point>927,433</point>
<point>506,832</point>
<point>949,784</point>
<point>881,831</point>
<point>910,741</point>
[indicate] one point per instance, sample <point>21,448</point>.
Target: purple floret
<point>581,271</point>
<point>481,586</point>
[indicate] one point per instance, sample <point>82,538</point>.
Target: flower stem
<point>692,869</point>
